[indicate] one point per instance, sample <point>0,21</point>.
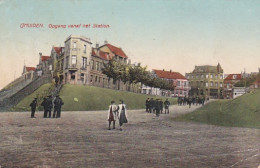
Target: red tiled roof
<point>104,55</point>
<point>58,50</point>
<point>45,58</point>
<point>28,69</point>
<point>117,51</point>
<point>168,74</point>
<point>101,54</point>
<point>233,77</point>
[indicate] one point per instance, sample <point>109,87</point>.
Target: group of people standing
<point>192,100</point>
<point>48,104</point>
<point>156,106</point>
<point>117,112</point>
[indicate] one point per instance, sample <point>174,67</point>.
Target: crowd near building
<point>79,62</point>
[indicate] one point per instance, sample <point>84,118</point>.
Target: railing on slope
<point>27,90</point>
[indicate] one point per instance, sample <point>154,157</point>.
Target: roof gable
<point>58,50</point>
<point>28,69</point>
<point>45,58</point>
<point>116,50</point>
<point>168,74</point>
<point>233,77</point>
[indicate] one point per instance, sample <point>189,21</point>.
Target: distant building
<point>229,83</point>
<point>206,80</point>
<point>256,83</point>
<point>28,72</point>
<point>178,80</point>
<point>57,62</point>
<point>43,67</point>
<point>151,90</point>
<point>238,91</point>
<point>77,55</point>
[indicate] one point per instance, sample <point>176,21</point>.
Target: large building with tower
<point>206,80</point>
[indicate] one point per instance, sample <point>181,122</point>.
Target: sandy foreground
<point>82,139</point>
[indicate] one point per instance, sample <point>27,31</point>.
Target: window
<point>197,76</point>
<point>97,66</point>
<point>216,76</point>
<point>74,45</point>
<point>211,76</point>
<point>67,62</point>
<point>73,76</point>
<point>84,62</point>
<point>82,77</point>
<point>202,76</point>
<point>178,83</point>
<point>92,64</point>
<point>85,48</point>
<point>234,76</point>
<point>207,76</point>
<point>74,60</point>
<point>216,84</point>
<point>221,85</point>
<point>207,84</point>
<point>211,84</point>
<point>91,78</point>
<point>96,79</point>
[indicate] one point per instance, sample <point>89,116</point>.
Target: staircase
<point>13,96</point>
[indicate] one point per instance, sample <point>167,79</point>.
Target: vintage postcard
<point>129,83</point>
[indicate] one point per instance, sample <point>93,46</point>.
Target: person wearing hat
<point>49,105</point>
<point>33,107</point>
<point>57,107</point>
<point>122,115</point>
<point>45,107</point>
<point>166,106</point>
<point>112,114</point>
<point>157,107</point>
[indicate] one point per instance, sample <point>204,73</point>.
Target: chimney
<point>40,54</point>
<point>170,70</point>
<point>163,70</point>
<point>105,42</point>
<point>97,45</point>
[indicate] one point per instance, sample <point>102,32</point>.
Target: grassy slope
<point>243,111</point>
<point>92,98</point>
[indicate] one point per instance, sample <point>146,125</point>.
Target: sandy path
<point>81,139</point>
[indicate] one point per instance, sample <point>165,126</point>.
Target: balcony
<point>72,67</point>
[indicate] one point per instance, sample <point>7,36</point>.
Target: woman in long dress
<point>112,114</point>
<point>122,115</point>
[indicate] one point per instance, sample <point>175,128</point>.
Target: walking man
<point>33,107</point>
<point>45,107</point>
<point>122,115</point>
<point>157,108</point>
<point>57,107</point>
<point>50,105</point>
<point>147,104</point>
<point>166,106</point>
<point>112,115</point>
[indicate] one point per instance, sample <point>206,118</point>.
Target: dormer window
<point>234,76</point>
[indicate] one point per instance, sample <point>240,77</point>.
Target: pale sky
<point>161,34</point>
